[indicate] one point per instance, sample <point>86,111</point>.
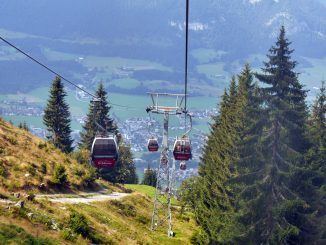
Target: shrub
<point>124,208</point>
<point>59,176</point>
<point>17,212</point>
<point>11,140</point>
<point>199,238</point>
<point>42,145</point>
<point>143,220</point>
<point>89,177</point>
<point>31,196</point>
<point>78,224</point>
<point>31,169</point>
<point>43,219</point>
<point>3,171</point>
<point>43,169</point>
<point>68,235</point>
<point>82,156</point>
<point>79,172</point>
<point>12,234</point>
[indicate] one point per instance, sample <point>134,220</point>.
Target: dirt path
<point>5,201</point>
<point>82,198</point>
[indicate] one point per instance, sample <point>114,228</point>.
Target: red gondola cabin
<point>183,165</point>
<point>182,149</point>
<point>104,152</point>
<point>152,145</point>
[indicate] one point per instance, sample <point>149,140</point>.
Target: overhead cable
<point>54,72</point>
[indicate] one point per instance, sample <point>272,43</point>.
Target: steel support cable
<point>186,61</point>
<point>186,53</point>
<point>54,72</point>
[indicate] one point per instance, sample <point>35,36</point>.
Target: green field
<point>148,190</point>
<point>209,65</point>
<point>35,122</point>
<point>136,105</point>
<point>108,64</point>
<point>126,83</point>
<point>204,55</point>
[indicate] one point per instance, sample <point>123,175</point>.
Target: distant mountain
<point>154,30</point>
<point>232,25</point>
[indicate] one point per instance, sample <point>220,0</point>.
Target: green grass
<point>12,234</point>
<point>109,64</point>
<point>149,191</point>
<point>137,104</point>
<point>34,121</point>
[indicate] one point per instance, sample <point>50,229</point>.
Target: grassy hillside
<point>26,161</point>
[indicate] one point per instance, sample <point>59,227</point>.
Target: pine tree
<point>316,158</point>
<point>57,117</point>
<point>102,116</point>
<point>280,209</point>
<point>25,126</point>
<point>124,171</point>
<point>150,177</point>
<point>214,206</point>
<point>251,119</point>
<point>317,132</point>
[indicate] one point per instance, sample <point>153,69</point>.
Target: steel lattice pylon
<point>166,169</point>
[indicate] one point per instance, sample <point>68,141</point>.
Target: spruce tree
<point>317,132</point>
<point>214,206</point>
<point>150,177</point>
<point>25,126</point>
<point>280,209</point>
<point>124,171</point>
<point>316,158</point>
<point>57,117</point>
<point>102,116</point>
<point>246,168</point>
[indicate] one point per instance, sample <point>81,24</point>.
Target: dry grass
<point>26,161</point>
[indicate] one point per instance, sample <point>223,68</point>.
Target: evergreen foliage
<point>317,132</point>
<point>316,157</point>
<point>262,176</point>
<point>60,176</point>
<point>124,171</point>
<point>25,126</point>
<point>283,142</point>
<point>78,224</point>
<point>100,111</point>
<point>219,153</point>
<point>57,117</point>
<point>150,177</point>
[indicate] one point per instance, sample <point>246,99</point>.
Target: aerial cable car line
<point>54,72</point>
<point>186,53</point>
<point>181,149</point>
<point>104,151</point>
